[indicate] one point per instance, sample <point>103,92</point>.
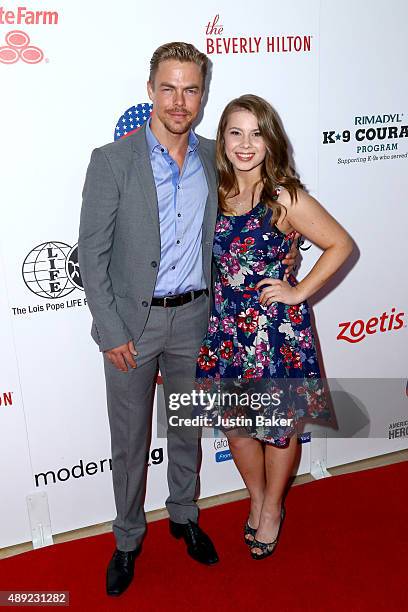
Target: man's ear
<point>150,90</point>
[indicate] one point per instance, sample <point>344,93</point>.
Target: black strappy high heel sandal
<point>267,548</point>
<point>249,531</point>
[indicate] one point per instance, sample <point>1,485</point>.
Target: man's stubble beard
<point>175,128</point>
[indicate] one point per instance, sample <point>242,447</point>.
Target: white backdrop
<point>94,68</point>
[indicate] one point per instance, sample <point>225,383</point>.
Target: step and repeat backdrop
<point>74,77</point>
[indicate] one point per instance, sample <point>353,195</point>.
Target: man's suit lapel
<point>145,176</point>
<point>210,212</point>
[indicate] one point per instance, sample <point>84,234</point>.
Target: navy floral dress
<point>250,347</point>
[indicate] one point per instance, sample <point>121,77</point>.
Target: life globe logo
<point>51,270</point>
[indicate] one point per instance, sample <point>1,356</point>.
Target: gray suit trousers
<point>170,340</point>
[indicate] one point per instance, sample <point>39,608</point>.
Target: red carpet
<point>344,546</point>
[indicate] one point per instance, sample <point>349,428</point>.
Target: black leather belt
<point>178,300</point>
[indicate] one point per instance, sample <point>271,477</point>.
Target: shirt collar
<point>153,144</point>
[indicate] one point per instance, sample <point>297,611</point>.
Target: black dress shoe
<point>199,545</point>
<point>120,571</point>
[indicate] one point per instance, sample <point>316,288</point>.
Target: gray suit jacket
<point>119,236</point>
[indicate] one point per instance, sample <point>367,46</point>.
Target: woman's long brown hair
<point>276,169</point>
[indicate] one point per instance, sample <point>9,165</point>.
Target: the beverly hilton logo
<point>18,45</point>
<point>219,44</point>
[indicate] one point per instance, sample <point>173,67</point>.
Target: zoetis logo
<point>18,45</point>
<point>219,44</point>
<point>356,331</point>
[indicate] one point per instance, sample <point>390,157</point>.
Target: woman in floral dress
<point>259,338</point>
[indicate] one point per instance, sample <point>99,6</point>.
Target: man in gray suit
<point>145,247</point>
<point>145,243</point>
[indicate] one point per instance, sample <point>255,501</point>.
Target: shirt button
<point>179,214</point>
<point>162,150</point>
<point>154,264</point>
<point>178,186</point>
<point>178,242</point>
<point>173,267</point>
<point>144,303</point>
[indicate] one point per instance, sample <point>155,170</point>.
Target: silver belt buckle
<point>165,301</point>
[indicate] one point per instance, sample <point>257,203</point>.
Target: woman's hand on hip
<point>276,290</point>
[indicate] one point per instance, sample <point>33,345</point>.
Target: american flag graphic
<point>132,119</point>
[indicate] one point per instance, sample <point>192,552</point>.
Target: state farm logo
<point>18,48</point>
<point>358,330</point>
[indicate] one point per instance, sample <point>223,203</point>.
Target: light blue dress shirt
<point>181,197</point>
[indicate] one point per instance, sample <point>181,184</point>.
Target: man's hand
<point>290,259</point>
<point>122,355</point>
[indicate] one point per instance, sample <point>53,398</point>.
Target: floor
<point>156,515</point>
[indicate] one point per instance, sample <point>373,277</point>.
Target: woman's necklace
<point>246,204</point>
<point>242,207</point>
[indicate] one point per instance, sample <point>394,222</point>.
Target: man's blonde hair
<point>180,51</point>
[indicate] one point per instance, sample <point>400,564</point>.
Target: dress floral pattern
<point>249,345</point>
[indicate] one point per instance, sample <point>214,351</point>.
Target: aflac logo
<point>224,454</point>
<point>358,330</point>
<point>18,48</point>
